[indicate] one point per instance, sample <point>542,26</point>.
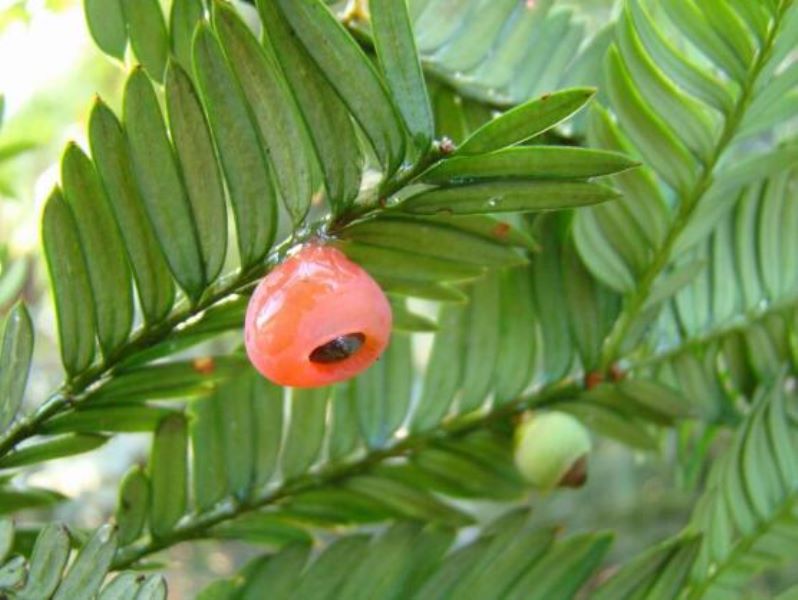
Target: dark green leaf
<point>305,431</point>
<point>111,155</point>
<point>130,418</point>
<point>526,121</point>
<point>328,121</point>
<point>161,186</point>
<point>273,108</point>
<point>352,75</point>
<point>436,239</point>
<point>248,178</point>
<point>209,472</point>
<point>6,538</point>
<point>508,196</point>
<point>15,356</point>
<point>71,287</point>
<point>57,447</point>
<point>396,49</point>
<point>238,434</point>
<point>529,162</point>
<point>267,410</point>
<point>102,248</point>
<point>169,475</point>
<point>195,153</point>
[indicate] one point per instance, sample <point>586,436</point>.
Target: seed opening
<point>338,349</point>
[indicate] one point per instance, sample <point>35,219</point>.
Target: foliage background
<point>640,495</point>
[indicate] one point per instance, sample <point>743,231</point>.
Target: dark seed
<point>338,349</point>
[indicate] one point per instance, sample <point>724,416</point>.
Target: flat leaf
<point>396,50</point>
<point>260,528</point>
<point>407,321</point>
<point>305,433</point>
<point>168,474</point>
<point>13,573</point>
<point>267,410</point>
<point>329,125</point>
<point>201,176</point>
<point>70,281</point>
<point>435,239</point>
<point>273,108</point>
<point>161,186</point>
<point>57,447</point>
<point>106,21</point>
<point>148,36</point>
<point>124,586</point>
<point>102,248</point>
<point>412,267</point>
<point>133,506</point>
<point>528,162</point>
<point>87,572</point>
<point>248,178</point>
<point>6,538</point>
<point>564,570</point>
<point>153,588</point>
<point>352,75</point>
<point>507,196</point>
<point>15,358</point>
<point>209,473</point>
<point>183,21</point>
<point>108,419</point>
<point>325,575</point>
<point>111,156</point>
<point>238,434</point>
<point>443,375</point>
<point>526,121</point>
<point>47,562</point>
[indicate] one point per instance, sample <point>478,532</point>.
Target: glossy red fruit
<point>316,319</point>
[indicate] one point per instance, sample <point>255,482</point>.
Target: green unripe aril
<point>551,450</point>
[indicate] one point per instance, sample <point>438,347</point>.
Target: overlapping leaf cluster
<point>685,278</point>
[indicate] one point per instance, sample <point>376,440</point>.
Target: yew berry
<point>316,319</point>
<point>551,450</point>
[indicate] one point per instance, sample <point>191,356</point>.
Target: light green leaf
<point>183,21</point>
<point>133,506</point>
<point>15,358</point>
<point>260,528</point>
<point>46,563</point>
<point>87,572</point>
<point>106,21</point>
<point>6,538</point>
<point>267,410</point>
<point>564,570</point>
<point>13,573</point>
<point>169,475</point>
<point>148,36</point>
<point>482,342</point>
<point>70,280</point>
<point>124,586</point>
<point>396,49</point>
<point>108,419</point>
<point>526,121</point>
<point>238,434</point>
